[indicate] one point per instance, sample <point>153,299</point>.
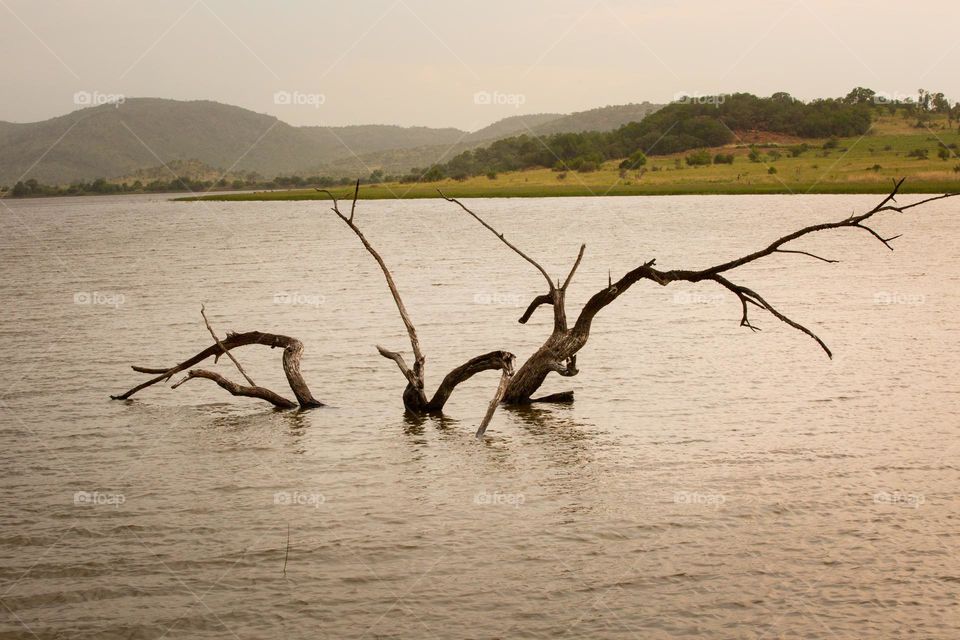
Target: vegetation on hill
<point>691,123</point>
<point>894,147</point>
<point>119,139</point>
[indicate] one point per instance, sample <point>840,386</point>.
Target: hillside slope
<point>110,141</point>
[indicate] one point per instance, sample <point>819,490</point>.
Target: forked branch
<point>292,352</point>
<point>414,395</point>
<point>746,296</point>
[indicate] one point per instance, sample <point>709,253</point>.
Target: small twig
<point>806,254</point>
<point>502,239</point>
<point>356,194</point>
<point>223,348</point>
<point>566,283</point>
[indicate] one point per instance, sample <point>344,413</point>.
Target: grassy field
<point>866,164</point>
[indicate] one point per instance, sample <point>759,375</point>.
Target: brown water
<point>707,482</point>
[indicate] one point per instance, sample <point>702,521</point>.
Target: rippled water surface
<point>707,482</point>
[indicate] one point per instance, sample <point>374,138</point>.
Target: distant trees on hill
<point>687,124</point>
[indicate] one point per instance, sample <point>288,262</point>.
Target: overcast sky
<point>423,62</point>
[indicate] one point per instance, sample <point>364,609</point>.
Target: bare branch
<point>807,254</point>
<point>414,398</point>
<point>407,322</point>
<point>505,375</point>
<point>292,351</point>
<point>203,312</point>
<point>356,194</point>
<point>540,300</point>
<point>566,283</point>
<point>235,389</point>
<point>401,363</point>
<point>502,239</point>
<point>648,272</point>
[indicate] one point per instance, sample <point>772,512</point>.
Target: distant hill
<point>513,125</point>
<point>396,161</point>
<point>599,119</point>
<point>141,134</point>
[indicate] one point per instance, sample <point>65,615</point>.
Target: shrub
<point>587,166</point>
<point>943,153</point>
<point>699,158</point>
<point>798,150</point>
<point>919,154</point>
<point>636,160</point>
<point>774,155</point>
<point>772,170</point>
<point>491,175</point>
<point>876,167</point>
<point>832,143</point>
<point>723,158</point>
<point>754,155</point>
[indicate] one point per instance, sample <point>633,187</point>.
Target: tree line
<point>687,124</point>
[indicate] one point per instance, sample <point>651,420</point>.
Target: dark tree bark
<point>292,352</point>
<point>558,354</point>
<point>414,395</point>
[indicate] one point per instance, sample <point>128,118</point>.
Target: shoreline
<point>420,192</point>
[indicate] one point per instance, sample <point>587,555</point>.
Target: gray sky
<point>422,62</point>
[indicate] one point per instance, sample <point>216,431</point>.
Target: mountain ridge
<point>114,140</point>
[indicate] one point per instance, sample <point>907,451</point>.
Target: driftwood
<point>558,354</point>
<point>414,395</point>
<point>292,352</point>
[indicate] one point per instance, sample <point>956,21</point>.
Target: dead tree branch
<point>558,353</point>
<point>203,312</point>
<point>239,390</point>
<point>414,395</point>
<point>292,352</point>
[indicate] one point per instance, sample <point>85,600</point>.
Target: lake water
<point>707,482</point>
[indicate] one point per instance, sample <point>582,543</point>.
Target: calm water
<point>708,481</point>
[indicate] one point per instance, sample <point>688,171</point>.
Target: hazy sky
<point>422,62</point>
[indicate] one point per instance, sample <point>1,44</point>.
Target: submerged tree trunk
<point>292,351</point>
<point>414,394</point>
